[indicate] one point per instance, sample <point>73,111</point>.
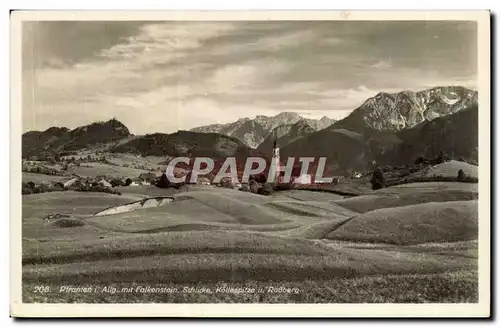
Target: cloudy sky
<point>165,76</point>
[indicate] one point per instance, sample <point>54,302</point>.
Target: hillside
<point>285,134</point>
<point>403,110</point>
<point>185,143</point>
<point>60,139</point>
<point>421,249</point>
<point>253,132</point>
<point>456,135</point>
<point>389,129</point>
<point>370,133</point>
<point>342,151</point>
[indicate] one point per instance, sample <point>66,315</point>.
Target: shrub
<point>405,172</point>
<point>387,169</point>
<point>378,179</point>
<point>260,178</point>
<point>254,186</point>
<point>116,182</point>
<point>226,182</point>
<point>421,160</point>
<point>128,181</point>
<point>163,182</point>
<point>68,222</point>
<point>42,188</point>
<point>26,190</point>
<point>284,186</point>
<point>441,158</point>
<point>58,187</point>
<point>434,178</point>
<point>265,189</point>
<point>461,175</point>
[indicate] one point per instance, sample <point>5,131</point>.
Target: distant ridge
<point>386,129</point>
<point>253,132</point>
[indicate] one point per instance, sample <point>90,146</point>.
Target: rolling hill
<point>60,139</point>
<point>186,143</point>
<point>456,135</point>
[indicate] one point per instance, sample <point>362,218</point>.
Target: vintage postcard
<point>250,164</point>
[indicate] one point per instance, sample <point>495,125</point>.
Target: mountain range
<point>253,132</point>
<point>387,128</point>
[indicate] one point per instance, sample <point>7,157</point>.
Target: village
<point>101,174</point>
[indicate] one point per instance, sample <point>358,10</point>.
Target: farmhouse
<point>71,182</point>
<point>104,183</point>
<point>136,181</point>
<point>203,181</point>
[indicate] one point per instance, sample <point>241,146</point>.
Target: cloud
<point>383,64</point>
<point>163,76</point>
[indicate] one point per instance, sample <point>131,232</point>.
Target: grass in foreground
<point>456,287</point>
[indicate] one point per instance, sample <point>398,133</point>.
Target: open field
<point>451,168</point>
<point>42,178</point>
<point>92,169</point>
<point>409,243</point>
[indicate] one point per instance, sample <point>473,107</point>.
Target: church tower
<point>276,161</point>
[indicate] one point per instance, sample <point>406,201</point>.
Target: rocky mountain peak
<point>397,111</point>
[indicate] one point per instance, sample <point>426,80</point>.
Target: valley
<point>99,213</point>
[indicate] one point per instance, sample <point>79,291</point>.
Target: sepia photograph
<point>250,158</point>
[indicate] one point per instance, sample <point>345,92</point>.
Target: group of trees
<point>439,159</point>
<point>31,188</point>
<point>164,182</point>
<point>379,181</point>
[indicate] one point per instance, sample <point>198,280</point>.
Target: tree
<point>117,182</point>
<point>421,160</point>
<point>461,175</point>
<point>128,181</point>
<point>265,189</point>
<point>378,179</point>
<point>442,157</point>
<point>163,182</point>
<point>58,186</point>
<point>254,186</point>
<point>405,172</point>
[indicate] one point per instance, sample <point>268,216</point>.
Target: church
<point>279,170</point>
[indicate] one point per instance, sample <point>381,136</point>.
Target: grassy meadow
<point>415,243</point>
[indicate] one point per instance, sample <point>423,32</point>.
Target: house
<point>357,175</point>
<point>203,181</point>
<point>303,179</point>
<point>136,181</point>
<point>71,182</point>
<point>104,183</point>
